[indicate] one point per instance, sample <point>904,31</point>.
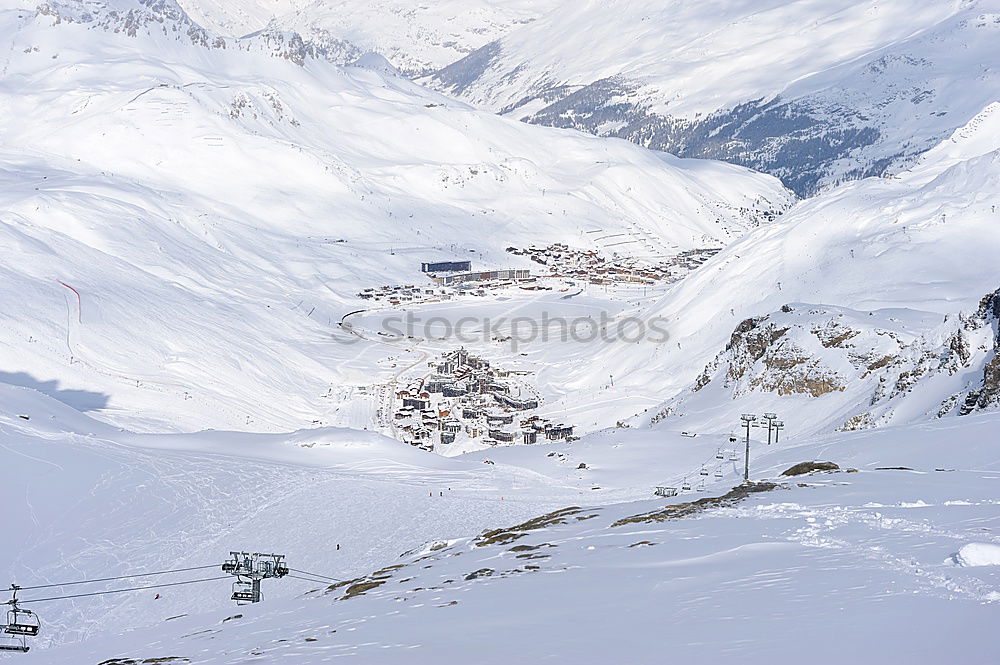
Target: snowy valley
<point>409,294</point>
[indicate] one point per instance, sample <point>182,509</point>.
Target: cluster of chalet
<point>690,259</point>
<point>467,394</point>
<point>453,277</point>
<point>501,428</point>
<point>588,265</point>
<point>396,295</point>
<point>421,423</point>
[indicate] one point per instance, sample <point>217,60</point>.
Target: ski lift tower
<point>749,420</point>
<point>250,568</point>
<point>770,418</point>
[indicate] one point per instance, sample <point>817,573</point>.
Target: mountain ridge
<point>843,91</point>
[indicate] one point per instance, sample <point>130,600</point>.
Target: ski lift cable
<point>322,577</point>
<point>704,465</point>
<point>309,579</point>
<point>121,577</point>
<point>28,601</point>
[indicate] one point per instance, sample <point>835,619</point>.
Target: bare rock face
<point>766,353</point>
<point>136,17</point>
<point>987,394</point>
<point>808,467</point>
<point>875,360</point>
<point>750,342</point>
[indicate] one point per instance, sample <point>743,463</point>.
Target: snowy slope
<point>218,203</point>
<point>873,303</point>
<point>417,38</point>
<point>94,502</point>
<point>875,564</point>
<point>814,92</point>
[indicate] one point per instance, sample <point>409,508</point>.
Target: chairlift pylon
<point>250,568</point>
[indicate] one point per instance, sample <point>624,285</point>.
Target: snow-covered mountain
<point>200,204</point>
<point>874,303</point>
<point>218,204</point>
<point>814,92</point>
<point>417,38</point>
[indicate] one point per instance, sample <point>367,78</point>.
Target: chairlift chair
<point>14,644</point>
<point>703,472</point>
<point>21,622</point>
<point>733,457</point>
<point>242,592</point>
<point>718,473</point>
<point>719,455</point>
<point>686,486</point>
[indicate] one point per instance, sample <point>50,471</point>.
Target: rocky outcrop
<point>135,17</point>
<point>761,355</point>
<point>876,360</point>
<point>809,467</point>
<point>987,393</point>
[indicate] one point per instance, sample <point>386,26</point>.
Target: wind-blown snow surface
<point>813,91</point>
<point>217,204</point>
<point>89,501</point>
<point>869,564</point>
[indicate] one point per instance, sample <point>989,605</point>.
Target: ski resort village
<point>499,332</point>
<point>466,398</point>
